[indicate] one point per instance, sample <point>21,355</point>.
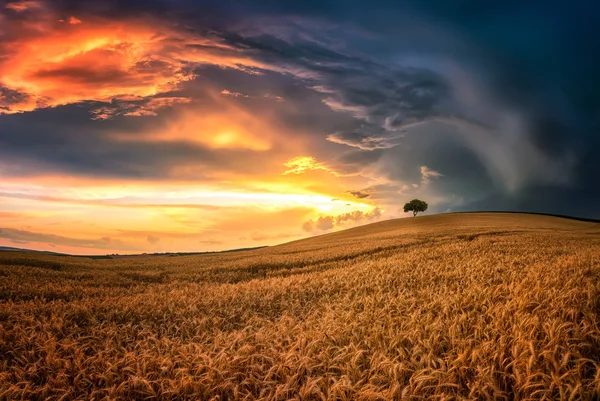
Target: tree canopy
<point>415,206</point>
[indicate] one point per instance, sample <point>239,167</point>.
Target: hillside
<point>456,306</point>
<point>442,223</point>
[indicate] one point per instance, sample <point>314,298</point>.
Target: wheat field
<point>457,306</point>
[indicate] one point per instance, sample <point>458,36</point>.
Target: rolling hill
<point>454,306</point>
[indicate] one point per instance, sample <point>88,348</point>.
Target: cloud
<point>359,194</point>
<point>427,174</point>
<point>20,6</point>
<point>357,215</point>
<point>49,65</point>
<point>308,226</point>
<point>505,147</point>
<point>326,223</point>
<point>379,192</point>
<point>124,202</point>
<point>152,239</point>
<point>105,59</point>
<point>24,236</point>
<point>87,62</point>
<point>277,98</point>
<point>229,128</point>
<point>365,139</point>
<point>302,164</point>
<point>173,149</point>
<point>136,106</point>
<point>225,92</point>
<point>130,74</point>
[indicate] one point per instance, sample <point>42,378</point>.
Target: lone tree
<point>415,206</point>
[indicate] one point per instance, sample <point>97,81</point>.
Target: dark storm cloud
<point>381,100</point>
<point>387,102</point>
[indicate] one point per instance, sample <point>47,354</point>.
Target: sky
<point>179,125</point>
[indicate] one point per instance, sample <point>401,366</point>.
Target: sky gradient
<point>155,126</point>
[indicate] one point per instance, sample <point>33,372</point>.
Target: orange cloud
<point>48,64</point>
<point>72,65</point>
<point>215,131</point>
<point>224,126</point>
<point>302,164</point>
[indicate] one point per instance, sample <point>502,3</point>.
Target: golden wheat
<point>473,306</point>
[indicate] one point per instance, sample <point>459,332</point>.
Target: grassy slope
<point>477,306</point>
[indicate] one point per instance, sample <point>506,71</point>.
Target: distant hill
<point>447,222</point>
<point>116,256</point>
<point>11,249</point>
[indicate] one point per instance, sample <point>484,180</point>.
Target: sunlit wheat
<point>473,306</point>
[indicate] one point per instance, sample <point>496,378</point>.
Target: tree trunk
<point>415,214</point>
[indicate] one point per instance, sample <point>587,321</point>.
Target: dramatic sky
<point>180,125</point>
